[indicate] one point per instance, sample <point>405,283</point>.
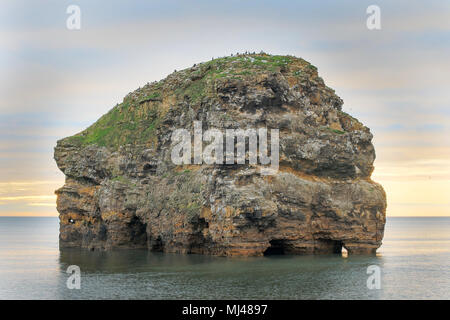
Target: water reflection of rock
<point>123,261</point>
<point>142,274</point>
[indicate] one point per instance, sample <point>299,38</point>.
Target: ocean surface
<point>414,263</point>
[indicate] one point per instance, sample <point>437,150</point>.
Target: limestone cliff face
<point>123,190</point>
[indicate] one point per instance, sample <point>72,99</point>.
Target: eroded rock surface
<point>123,190</point>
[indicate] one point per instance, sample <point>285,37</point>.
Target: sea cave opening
<point>344,252</point>
<point>277,247</point>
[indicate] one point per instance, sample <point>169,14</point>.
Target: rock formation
<point>123,191</point>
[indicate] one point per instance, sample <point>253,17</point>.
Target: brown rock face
<point>123,190</point>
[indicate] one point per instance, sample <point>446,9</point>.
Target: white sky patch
<point>41,204</point>
<point>19,198</point>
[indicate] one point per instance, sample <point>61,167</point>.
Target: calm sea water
<point>414,262</point>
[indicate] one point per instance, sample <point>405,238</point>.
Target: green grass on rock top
<point>136,119</point>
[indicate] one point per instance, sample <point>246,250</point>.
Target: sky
<point>55,82</point>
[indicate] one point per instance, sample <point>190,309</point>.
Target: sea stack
<point>123,190</point>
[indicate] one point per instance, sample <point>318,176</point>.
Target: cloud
<point>41,204</point>
<point>46,197</point>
